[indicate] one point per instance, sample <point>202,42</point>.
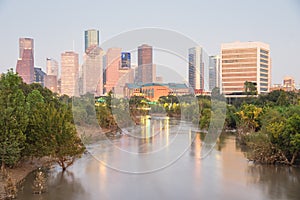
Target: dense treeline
<point>269,125</point>
<point>35,122</point>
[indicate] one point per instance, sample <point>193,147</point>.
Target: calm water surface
<point>224,174</point>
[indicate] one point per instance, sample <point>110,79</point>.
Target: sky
<point>55,25</point>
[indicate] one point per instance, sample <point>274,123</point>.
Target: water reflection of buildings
<point>195,152</point>
<point>195,145</point>
<point>154,132</point>
<point>231,162</point>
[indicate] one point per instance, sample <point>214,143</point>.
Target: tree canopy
<point>35,122</point>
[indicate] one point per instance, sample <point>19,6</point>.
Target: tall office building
<point>69,73</point>
<point>125,60</point>
<point>113,64</point>
<point>39,76</point>
<point>51,78</point>
<point>91,38</point>
<point>25,43</point>
<point>146,70</point>
<point>214,72</point>
<point>196,68</point>
<point>25,63</point>
<point>51,67</point>
<point>92,71</point>
<point>245,61</point>
<point>126,74</point>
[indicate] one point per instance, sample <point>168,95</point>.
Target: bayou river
<point>162,161</point>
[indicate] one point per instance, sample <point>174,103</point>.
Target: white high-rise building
<point>51,78</point>
<point>69,73</point>
<point>92,71</point>
<point>51,67</point>
<point>245,61</point>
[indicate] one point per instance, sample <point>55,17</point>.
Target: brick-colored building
<point>25,63</point>
<point>146,72</point>
<point>113,63</point>
<point>152,91</point>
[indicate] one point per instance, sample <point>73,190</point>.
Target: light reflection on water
<point>224,174</point>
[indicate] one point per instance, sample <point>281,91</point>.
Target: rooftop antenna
<point>73,45</point>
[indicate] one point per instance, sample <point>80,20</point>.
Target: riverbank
<point>19,173</point>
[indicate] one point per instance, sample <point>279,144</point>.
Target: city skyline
<point>238,63</point>
<point>23,46</point>
<point>280,31</point>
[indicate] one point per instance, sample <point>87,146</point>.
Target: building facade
<point>91,38</point>
<point>51,78</point>
<point>113,63</point>
<point>146,72</point>
<point>39,76</point>
<point>51,67</point>
<point>125,60</point>
<point>152,91</point>
<point>196,68</point>
<point>25,63</point>
<point>92,71</point>
<point>25,43</point>
<point>214,72</point>
<point>69,73</point>
<point>51,83</point>
<point>289,83</point>
<point>245,61</point>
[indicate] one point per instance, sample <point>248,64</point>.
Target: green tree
<point>249,118</point>
<point>13,118</point>
<point>205,118</point>
<point>39,142</point>
<point>285,134</point>
<point>278,141</point>
<point>68,146</point>
<point>283,99</point>
<point>250,88</point>
<point>231,117</point>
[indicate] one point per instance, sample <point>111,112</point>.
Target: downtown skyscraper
<point>25,63</point>
<point>52,74</point>
<point>146,72</point>
<point>196,68</point>
<point>91,72</point>
<point>113,64</point>
<point>214,72</point>
<point>69,73</point>
<point>91,38</point>
<point>245,61</point>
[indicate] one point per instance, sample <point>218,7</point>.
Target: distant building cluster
<point>287,85</point>
<point>112,70</point>
<point>153,91</point>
